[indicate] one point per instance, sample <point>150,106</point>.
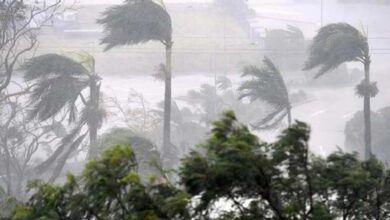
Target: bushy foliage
<point>354,133</point>
<point>281,180</point>
<point>233,176</point>
<point>109,188</point>
<point>146,152</point>
<point>285,47</point>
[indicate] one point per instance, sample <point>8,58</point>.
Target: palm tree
<point>267,84</point>
<point>93,112</point>
<point>58,83</point>
<point>141,21</point>
<point>338,43</point>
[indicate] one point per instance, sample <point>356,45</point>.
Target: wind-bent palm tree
<point>267,84</point>
<point>58,84</point>
<point>339,43</point>
<point>140,21</point>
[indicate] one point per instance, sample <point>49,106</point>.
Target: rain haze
<point>194,109</point>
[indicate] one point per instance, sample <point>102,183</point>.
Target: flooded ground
<point>327,113</point>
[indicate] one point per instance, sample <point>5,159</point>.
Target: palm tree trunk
<point>168,97</point>
<point>94,102</point>
<point>289,116</point>
<point>367,109</point>
<point>92,135</point>
<point>62,160</point>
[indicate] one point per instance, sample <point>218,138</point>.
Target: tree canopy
<point>147,154</point>
<point>233,175</point>
<point>354,131</point>
<point>284,46</point>
<point>59,81</point>
<point>134,22</point>
<point>109,188</point>
<point>335,44</point>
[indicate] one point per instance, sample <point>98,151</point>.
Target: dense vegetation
<point>176,160</point>
<point>232,175</point>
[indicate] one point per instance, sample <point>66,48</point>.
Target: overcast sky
<point>119,1</point>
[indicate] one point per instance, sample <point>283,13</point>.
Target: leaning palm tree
<point>58,82</point>
<point>267,85</point>
<point>141,21</point>
<point>339,43</point>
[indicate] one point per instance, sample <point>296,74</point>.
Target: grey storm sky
<point>119,1</point>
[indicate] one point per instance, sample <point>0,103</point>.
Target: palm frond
<point>84,58</point>
<point>51,95</point>
<point>58,82</point>
<point>362,89</point>
<point>266,84</point>
<point>50,64</point>
<point>224,83</point>
<point>134,22</point>
<point>72,110</point>
<point>65,141</point>
<point>335,44</point>
<point>272,120</point>
<point>62,160</point>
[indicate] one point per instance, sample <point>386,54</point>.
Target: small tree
<point>267,84</point>
<point>339,43</point>
<point>22,143</point>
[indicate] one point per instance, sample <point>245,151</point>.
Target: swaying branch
<point>18,36</point>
